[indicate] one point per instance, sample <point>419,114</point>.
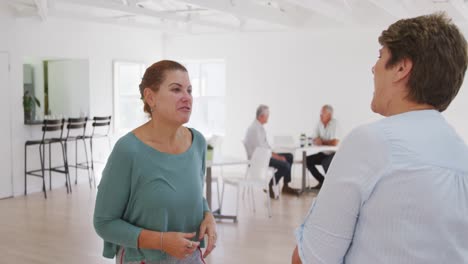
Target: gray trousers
<point>195,258</point>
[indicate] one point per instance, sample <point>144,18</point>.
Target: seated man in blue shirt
<point>325,134</point>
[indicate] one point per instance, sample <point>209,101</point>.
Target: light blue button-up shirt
<point>255,137</point>
<point>396,192</point>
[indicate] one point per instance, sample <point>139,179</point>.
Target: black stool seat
<point>45,141</point>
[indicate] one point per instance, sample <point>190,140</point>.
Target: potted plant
<point>29,101</point>
<point>209,153</point>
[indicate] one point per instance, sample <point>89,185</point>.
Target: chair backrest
<point>259,164</point>
<point>246,151</point>
<point>76,127</point>
<point>102,122</point>
<point>52,125</point>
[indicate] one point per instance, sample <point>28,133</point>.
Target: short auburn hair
<point>438,51</point>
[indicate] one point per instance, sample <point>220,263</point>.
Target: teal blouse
<point>142,188</point>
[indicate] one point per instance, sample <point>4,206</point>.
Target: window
<point>208,80</point>
<point>128,107</point>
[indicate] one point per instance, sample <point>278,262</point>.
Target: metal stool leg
<point>67,167</point>
<point>50,166</point>
<point>92,160</point>
<point>42,158</point>
<point>65,162</point>
<point>76,161</point>
<point>87,164</point>
<point>25,170</point>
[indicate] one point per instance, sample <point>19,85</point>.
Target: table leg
<point>208,186</point>
<point>216,213</point>
<point>304,172</point>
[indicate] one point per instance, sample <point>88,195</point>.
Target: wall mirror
<point>55,88</point>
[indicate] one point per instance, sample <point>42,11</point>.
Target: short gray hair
<point>261,110</point>
<point>329,108</point>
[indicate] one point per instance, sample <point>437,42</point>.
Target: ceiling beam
<point>31,9</point>
<point>338,13</point>
<point>146,12</point>
<point>393,7</point>
<point>288,16</point>
<point>20,7</point>
<point>192,10</point>
<point>130,2</point>
<point>42,8</point>
<point>168,26</point>
<point>300,11</point>
<point>26,13</point>
<point>112,21</point>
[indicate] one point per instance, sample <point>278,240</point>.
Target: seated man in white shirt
<point>256,137</point>
<point>324,134</point>
<point>397,189</point>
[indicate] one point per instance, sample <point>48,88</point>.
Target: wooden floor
<point>60,230</point>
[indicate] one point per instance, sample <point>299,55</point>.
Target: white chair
<point>220,180</point>
<point>275,187</point>
<point>258,175</point>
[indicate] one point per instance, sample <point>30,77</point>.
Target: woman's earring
<point>152,109</point>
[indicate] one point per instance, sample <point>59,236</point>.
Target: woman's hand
<point>179,245</point>
<point>208,227</point>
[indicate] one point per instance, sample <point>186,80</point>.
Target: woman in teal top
<point>150,206</point>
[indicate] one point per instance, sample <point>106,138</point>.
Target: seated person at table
<point>324,134</point>
<point>256,137</point>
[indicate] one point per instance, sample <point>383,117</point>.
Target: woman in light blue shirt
<point>150,206</point>
<point>397,189</point>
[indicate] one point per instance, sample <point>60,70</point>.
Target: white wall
<point>295,74</point>
<point>99,44</point>
<point>5,134</point>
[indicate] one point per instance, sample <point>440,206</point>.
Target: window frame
<point>117,129</point>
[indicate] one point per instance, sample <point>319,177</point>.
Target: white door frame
<point>5,87</point>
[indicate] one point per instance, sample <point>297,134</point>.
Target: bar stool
<point>48,126</point>
<point>76,131</point>
<point>101,129</point>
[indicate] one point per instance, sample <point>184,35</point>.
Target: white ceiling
<point>218,16</point>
